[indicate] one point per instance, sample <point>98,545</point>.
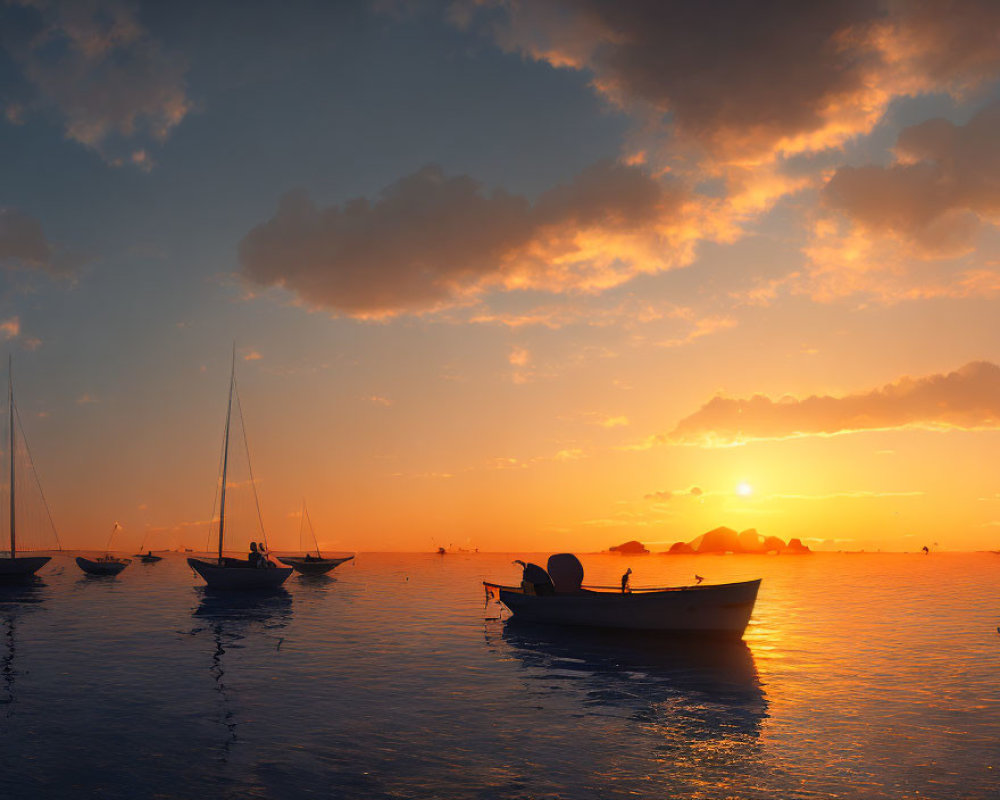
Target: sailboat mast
<point>225,455</point>
<point>312,530</point>
<point>10,404</point>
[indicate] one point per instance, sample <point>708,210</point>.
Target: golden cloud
<point>431,241</point>
<point>968,398</point>
<point>909,230</point>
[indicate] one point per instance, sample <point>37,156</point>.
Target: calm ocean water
<point>862,676</point>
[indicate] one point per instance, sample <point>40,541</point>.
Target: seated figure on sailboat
<point>265,559</point>
<point>255,557</point>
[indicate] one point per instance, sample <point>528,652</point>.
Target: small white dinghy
<point>104,565</point>
<point>721,610</point>
<point>235,573</point>
<point>310,564</point>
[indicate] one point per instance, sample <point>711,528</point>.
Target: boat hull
<point>150,559</point>
<point>721,611</point>
<point>101,567</point>
<point>314,567</point>
<point>21,567</point>
<point>241,578</point>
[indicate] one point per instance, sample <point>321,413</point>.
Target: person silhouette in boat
<point>626,589</point>
<point>534,579</point>
<point>256,557</point>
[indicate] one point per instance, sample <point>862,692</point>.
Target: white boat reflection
<point>710,688</point>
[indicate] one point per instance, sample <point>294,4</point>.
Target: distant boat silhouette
<point>310,565</point>
<point>16,567</point>
<point>147,557</point>
<point>106,564</point>
<point>235,573</point>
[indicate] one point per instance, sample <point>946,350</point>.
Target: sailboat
<point>310,564</point>
<point>107,564</point>
<point>147,557</point>
<point>235,573</point>
<point>16,567</point>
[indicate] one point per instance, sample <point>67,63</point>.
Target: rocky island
<point>726,540</point>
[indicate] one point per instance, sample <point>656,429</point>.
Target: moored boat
<point>104,565</point>
<point>16,567</point>
<point>147,557</point>
<point>720,610</point>
<point>233,573</point>
<point>107,564</point>
<point>310,564</point>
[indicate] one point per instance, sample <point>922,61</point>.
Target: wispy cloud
<point>663,496</point>
<point>700,328</point>
<point>23,246</point>
<point>10,328</point>
<point>519,357</point>
<point>847,495</point>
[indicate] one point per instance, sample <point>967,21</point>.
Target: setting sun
<point>744,489</point>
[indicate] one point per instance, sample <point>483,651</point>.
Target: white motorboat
<point>721,610</point>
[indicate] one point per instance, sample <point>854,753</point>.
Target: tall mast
<point>312,530</point>
<point>225,454</point>
<point>10,404</point>
<point>302,524</point>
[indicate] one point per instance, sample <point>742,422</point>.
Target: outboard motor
<point>566,572</point>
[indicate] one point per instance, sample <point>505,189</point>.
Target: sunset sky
<point>509,275</point>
